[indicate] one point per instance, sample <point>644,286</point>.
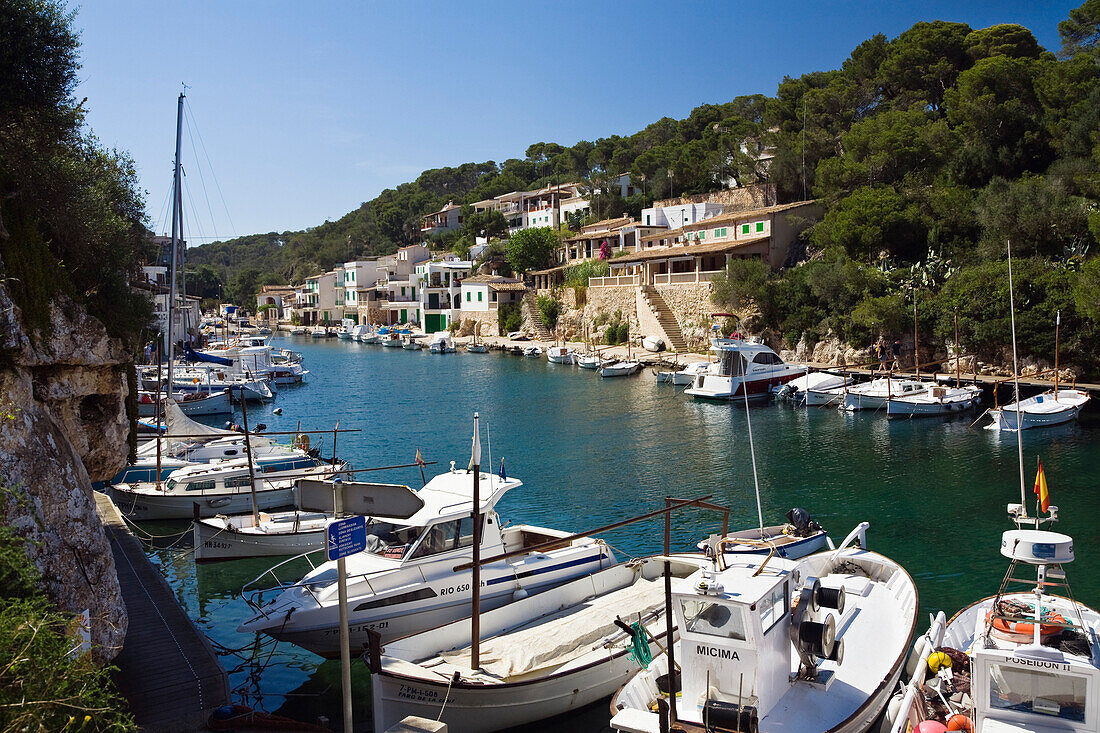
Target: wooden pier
<point>167,668</point>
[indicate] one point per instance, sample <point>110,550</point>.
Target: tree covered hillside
<point>927,151</point>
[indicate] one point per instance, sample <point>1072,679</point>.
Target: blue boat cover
<point>190,354</point>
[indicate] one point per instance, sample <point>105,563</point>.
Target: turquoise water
<point>591,451</point>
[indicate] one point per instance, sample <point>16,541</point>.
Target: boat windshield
<point>732,364</point>
<point>390,540</point>
<point>1031,691</point>
<point>713,619</point>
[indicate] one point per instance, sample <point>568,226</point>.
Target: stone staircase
<point>674,337</point>
<point>532,318</point>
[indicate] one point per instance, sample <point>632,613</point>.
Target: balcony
<point>613,281</point>
<point>685,278</point>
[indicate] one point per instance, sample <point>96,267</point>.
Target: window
<point>703,234</point>
<point>416,595</point>
<point>774,607</point>
<point>235,481</point>
<point>714,619</point>
<point>759,226</point>
<point>1030,691</point>
<point>647,219</point>
<point>402,291</point>
<point>745,228</point>
<point>479,296</point>
<point>200,485</point>
<point>467,296</point>
<point>766,357</point>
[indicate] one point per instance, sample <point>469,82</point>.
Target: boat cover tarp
<point>190,354</point>
<point>555,639</point>
<point>178,424</point>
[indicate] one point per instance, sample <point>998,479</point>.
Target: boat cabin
<point>737,627</point>
<point>736,358</point>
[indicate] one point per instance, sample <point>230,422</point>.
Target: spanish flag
<point>1041,494</point>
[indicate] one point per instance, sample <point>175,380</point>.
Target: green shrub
<point>509,317</point>
<point>549,309</point>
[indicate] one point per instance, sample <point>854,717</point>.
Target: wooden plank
<point>167,668</point>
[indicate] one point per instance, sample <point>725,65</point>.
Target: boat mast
<point>916,337</point>
<point>958,376</point>
<point>1057,328</point>
<point>175,247</point>
<point>1016,380</point>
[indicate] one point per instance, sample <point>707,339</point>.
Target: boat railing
<point>933,638</point>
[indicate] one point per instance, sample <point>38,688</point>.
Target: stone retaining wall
<point>691,305</point>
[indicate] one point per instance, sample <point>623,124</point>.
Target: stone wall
<point>691,305</point>
<point>63,425</point>
<point>733,199</point>
<point>604,302</point>
<point>488,319</point>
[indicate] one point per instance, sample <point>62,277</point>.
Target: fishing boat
<point>936,400</point>
<point>1040,411</point>
<point>742,367</point>
<point>688,374</point>
<point>441,343</point>
<point>797,389</point>
<point>799,537</point>
<point>538,657</point>
<point>406,581</point>
<point>390,339</point>
<point>299,331</point>
<point>266,534</point>
<point>191,403</point>
<point>823,397</point>
<point>533,352</point>
<point>592,361</point>
<point>619,369</point>
<point>345,330</point>
<point>773,644</point>
<point>874,395</point>
<point>318,332</point>
<point>560,355</point>
<point>476,347</point>
<point>225,487</point>
<point>286,367</point>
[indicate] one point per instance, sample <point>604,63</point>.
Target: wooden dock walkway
<point>167,668</point>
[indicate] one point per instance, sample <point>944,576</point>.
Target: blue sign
<point>346,537</point>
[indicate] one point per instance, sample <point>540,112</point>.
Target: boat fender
<point>930,726</point>
<point>958,721</point>
<point>891,713</point>
<point>519,594</point>
<point>938,661</point>
<point>915,655</point>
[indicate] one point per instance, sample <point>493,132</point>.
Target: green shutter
<point>759,226</point>
<point>745,229</point>
<point>467,296</point>
<point>479,296</point>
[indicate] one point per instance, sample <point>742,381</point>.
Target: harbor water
<point>591,451</point>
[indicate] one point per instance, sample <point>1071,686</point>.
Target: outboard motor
<point>804,525</point>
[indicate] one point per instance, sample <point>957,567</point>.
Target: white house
<point>680,215</point>
<point>443,220</point>
<point>439,283</point>
<point>359,276</point>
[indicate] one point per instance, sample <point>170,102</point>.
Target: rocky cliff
<point>62,425</point>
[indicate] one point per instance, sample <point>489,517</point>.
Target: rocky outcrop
<point>63,424</point>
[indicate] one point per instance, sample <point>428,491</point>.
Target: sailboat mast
<point>175,247</point>
<point>916,339</point>
<point>1016,380</point>
<point>1057,329</point>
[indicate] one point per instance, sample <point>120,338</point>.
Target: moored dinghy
<point>539,656</point>
<point>937,400</point>
<point>801,536</point>
<point>761,648</point>
<point>559,355</point>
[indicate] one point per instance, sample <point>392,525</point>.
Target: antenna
<point>1016,380</point>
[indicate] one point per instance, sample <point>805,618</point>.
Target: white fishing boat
<point>358,331</point>
<point>761,649</point>
<point>268,534</point>
<point>592,361</point>
<point>318,332</point>
<point>218,488</point>
<point>478,348</point>
<point>441,343</point>
<point>539,656</point>
<point>936,400</point>
<point>406,581</point>
<point>299,331</point>
<point>191,403</point>
<point>560,355</point>
<point>799,537</point>
<point>1040,411</point>
<point>873,395</point>
<point>411,343</point>
<point>653,343</point>
<point>203,379</point>
<point>344,333</point>
<point>533,352</point>
<point>1024,659</point>
<point>390,339</point>
<point>824,397</point>
<point>742,367</point>
<point>619,369</point>
<point>797,389</point>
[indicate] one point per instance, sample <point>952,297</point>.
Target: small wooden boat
<point>937,400</point>
<point>539,656</point>
<point>1040,411</point>
<point>591,361</point>
<point>532,352</point>
<point>620,369</point>
<point>560,355</point>
<point>874,394</point>
<point>801,536</point>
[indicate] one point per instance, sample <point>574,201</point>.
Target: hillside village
<point>660,269</point>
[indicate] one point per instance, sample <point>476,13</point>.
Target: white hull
<point>620,369</point>
<point>931,405</point>
<point>822,397</point>
<point>215,403</point>
<point>477,349</point>
<point>874,395</point>
<point>219,538</point>
<point>143,506</point>
<point>727,388</point>
<point>1041,411</point>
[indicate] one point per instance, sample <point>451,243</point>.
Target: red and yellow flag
<point>1041,494</point>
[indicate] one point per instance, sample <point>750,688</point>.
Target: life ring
<point>301,442</point>
<point>1026,629</point>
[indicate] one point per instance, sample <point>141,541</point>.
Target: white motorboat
<point>191,403</point>
<point>653,343</point>
<point>344,333</point>
<point>477,348</point>
<point>407,582</point>
<point>688,374</point>
<point>318,332</point>
<point>937,400</point>
<point>1022,660</point>
<point>206,379</point>
<point>801,536</point>
<point>299,331</point>
<point>533,352</point>
<point>218,488</point>
<point>359,332</point>
<point>873,395</point>
<point>742,367</point>
<point>591,361</point>
<point>1040,411</point>
<point>539,656</point>
<point>441,343</point>
<point>560,355</point>
<point>619,369</point>
<point>760,648</point>
<point>797,389</point>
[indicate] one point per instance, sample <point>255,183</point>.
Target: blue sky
<point>306,109</point>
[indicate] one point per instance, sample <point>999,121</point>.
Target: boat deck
<point>167,669</point>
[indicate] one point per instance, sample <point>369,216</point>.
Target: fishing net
<point>639,646</point>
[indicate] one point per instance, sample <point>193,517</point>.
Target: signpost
<point>345,537</point>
